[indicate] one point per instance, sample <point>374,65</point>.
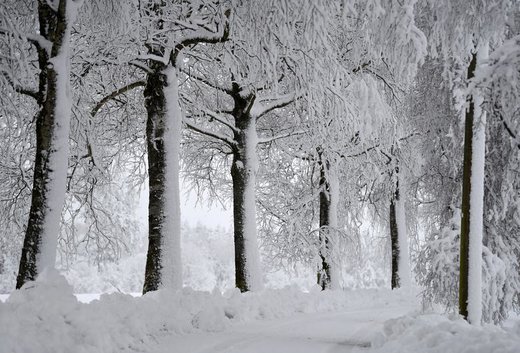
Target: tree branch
<point>510,132</point>
<point>37,40</point>
<point>20,89</point>
<point>213,115</point>
<point>205,37</point>
<point>262,109</point>
<point>280,136</point>
<point>227,90</point>
<point>114,94</point>
<point>212,134</point>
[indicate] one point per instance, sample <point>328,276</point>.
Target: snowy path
<point>333,332</point>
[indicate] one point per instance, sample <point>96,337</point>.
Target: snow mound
<point>435,333</point>
<point>44,316</point>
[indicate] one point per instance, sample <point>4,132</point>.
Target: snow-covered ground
<point>45,317</point>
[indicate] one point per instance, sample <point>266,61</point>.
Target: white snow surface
<point>45,316</point>
<point>171,272</point>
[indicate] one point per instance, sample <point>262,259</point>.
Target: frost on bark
<point>163,125</point>
<point>470,281</point>
<point>155,103</point>
<point>52,128</point>
<point>394,240</point>
<point>328,185</point>
<point>163,135</point>
<point>401,275</point>
<point>243,173</point>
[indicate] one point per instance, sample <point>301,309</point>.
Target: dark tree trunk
<point>53,27</point>
<point>324,273</point>
<point>394,239</point>
<point>155,103</point>
<point>244,221</point>
<point>466,198</point>
<point>240,180</point>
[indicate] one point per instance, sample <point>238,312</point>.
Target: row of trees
<point>309,113</point>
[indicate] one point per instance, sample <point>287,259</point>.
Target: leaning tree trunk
<point>243,173</point>
<point>470,281</point>
<point>52,133</point>
<point>328,276</point>
<point>163,127</point>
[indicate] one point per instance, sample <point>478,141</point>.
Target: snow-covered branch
<point>22,90</point>
<point>280,136</point>
<point>207,82</point>
<point>114,94</point>
<point>260,109</point>
<point>202,36</point>
<point>212,114</point>
<point>226,139</point>
<point>35,39</point>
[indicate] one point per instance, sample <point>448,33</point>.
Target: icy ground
<point>46,317</point>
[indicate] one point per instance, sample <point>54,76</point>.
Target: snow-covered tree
<point>52,42</point>
<point>166,30</point>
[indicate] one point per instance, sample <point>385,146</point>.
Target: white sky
<point>192,212</point>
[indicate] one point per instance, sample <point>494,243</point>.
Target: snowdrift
<point>433,333</point>
<point>45,316</point>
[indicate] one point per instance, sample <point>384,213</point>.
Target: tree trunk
<point>243,173</point>
<point>52,132</point>
<point>401,276</point>
<point>470,287</point>
<point>163,125</point>
<point>328,277</point>
<point>394,239</point>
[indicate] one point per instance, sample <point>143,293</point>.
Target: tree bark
<point>155,104</point>
<point>466,191</point>
<point>394,239</point>
<point>470,305</point>
<point>401,275</point>
<point>163,264</point>
<point>243,173</point>
<point>324,273</point>
<point>328,276</point>
<point>52,128</point>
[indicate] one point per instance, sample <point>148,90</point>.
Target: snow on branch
<point>35,39</point>
<point>498,112</point>
<point>208,83</point>
<point>114,94</point>
<point>162,59</point>
<point>226,139</point>
<point>18,88</point>
<point>212,114</point>
<point>259,109</point>
<point>280,136</point>
<point>202,35</point>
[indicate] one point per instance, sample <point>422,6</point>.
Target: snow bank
<point>45,316</point>
<point>437,333</point>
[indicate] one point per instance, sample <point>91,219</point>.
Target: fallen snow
<point>45,316</point>
<point>437,333</point>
